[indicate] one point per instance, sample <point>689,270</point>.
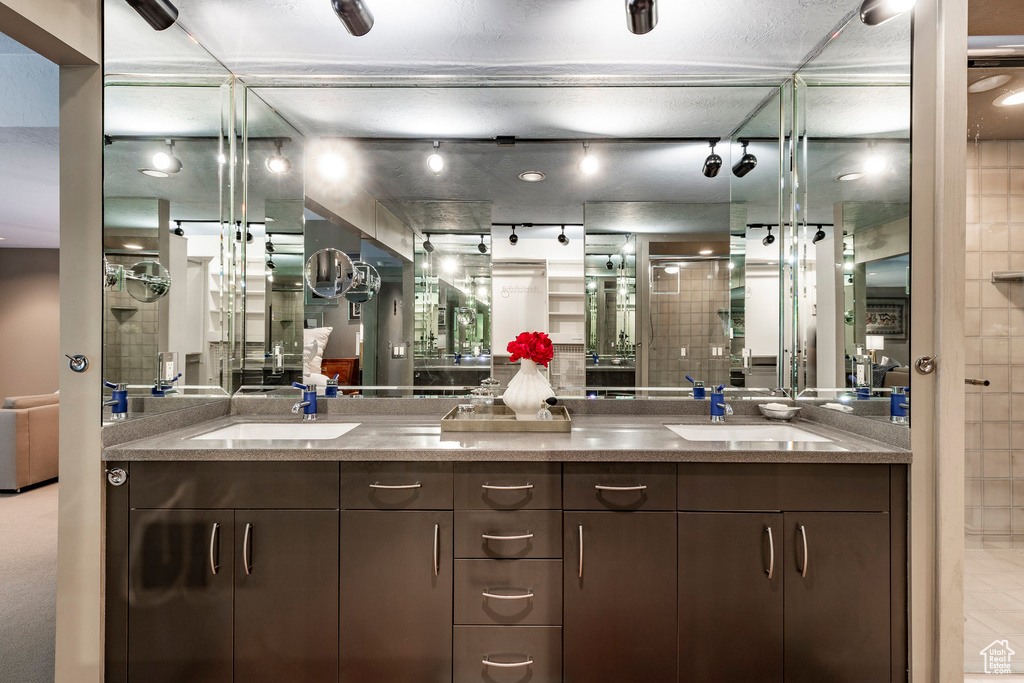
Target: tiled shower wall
<point>129,333</point>
<point>994,327</point>
<point>696,318</point>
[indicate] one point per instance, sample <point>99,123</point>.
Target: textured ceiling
<point>995,18</point>
<point>985,120</point>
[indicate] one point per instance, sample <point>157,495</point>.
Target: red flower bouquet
<point>535,346</point>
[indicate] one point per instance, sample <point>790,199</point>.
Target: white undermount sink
<point>288,431</point>
<point>746,433</point>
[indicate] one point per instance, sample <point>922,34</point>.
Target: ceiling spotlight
<point>428,246</point>
<point>627,248</point>
<point>270,245</point>
<point>513,239</point>
<point>671,270</point>
<point>450,265</point>
<point>713,164</point>
<point>333,166</point>
<point>277,163</point>
<point>589,164</point>
<point>1010,99</point>
<point>482,248</point>
<point>435,162</point>
<point>847,177</point>
<point>562,239</point>
<point>178,230</point>
<point>746,163</point>
<point>610,265</point>
<point>166,161</point>
<point>532,176</point>
<point>818,236</point>
<point>990,83</point>
<point>706,252</point>
<point>641,16</point>
<point>160,14</point>
<point>238,233</point>
<point>354,15</point>
<point>270,264</point>
<point>769,239</point>
<point>153,173</point>
<point>136,247</point>
<point>875,163</point>
<point>875,12</point>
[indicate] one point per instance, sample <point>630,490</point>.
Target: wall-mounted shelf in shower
<point>1007,276</point>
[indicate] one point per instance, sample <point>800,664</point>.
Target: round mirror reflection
<point>365,285</point>
<point>147,281</point>
<point>330,273</point>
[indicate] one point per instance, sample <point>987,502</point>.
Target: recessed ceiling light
<point>154,173</point>
<point>133,246</point>
<point>990,83</point>
<point>846,177</point>
<point>706,252</point>
<point>671,270</point>
<point>2,239</point>
<point>1010,99</point>
<point>532,176</point>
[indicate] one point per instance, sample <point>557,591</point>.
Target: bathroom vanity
<point>395,552</point>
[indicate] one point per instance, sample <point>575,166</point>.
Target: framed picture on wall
<point>442,311</point>
<point>355,311</point>
<point>887,317</point>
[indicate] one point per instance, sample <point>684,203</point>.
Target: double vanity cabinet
<point>501,572</point>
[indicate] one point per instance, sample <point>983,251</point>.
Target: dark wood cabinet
<point>286,596</point>
<point>730,597</point>
<point>619,597</point>
<point>396,596</point>
<point>837,597</point>
<point>180,596</point>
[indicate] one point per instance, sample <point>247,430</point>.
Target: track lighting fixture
<point>238,233</point>
<point>746,163</point>
<point>435,162</point>
<point>713,164</point>
<point>164,163</point>
<point>875,163</point>
<point>270,264</point>
<point>610,265</point>
<point>277,163</point>
<point>178,229</point>
<point>875,12</point>
<point>589,164</point>
<point>482,248</point>
<point>427,244</point>
<point>513,239</point>
<point>818,236</point>
<point>270,245</point>
<point>354,15</point>
<point>562,239</point>
<point>769,239</point>
<point>641,16</point>
<point>160,14</point>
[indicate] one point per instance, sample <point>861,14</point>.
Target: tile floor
<point>993,606</point>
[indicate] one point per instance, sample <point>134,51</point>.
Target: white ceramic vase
<point>527,391</point>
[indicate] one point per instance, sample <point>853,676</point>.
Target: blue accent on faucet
<point>718,402</point>
<point>332,387</point>
<point>161,389</point>
<point>596,358</point>
<point>118,400</point>
<point>895,401</point>
<point>699,392</point>
<point>308,396</point>
<point>458,359</point>
<point>863,392</point>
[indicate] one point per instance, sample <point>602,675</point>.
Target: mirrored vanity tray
<point>504,420</point>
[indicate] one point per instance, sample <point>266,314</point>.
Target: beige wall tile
<point>995,181</point>
<point>973,155</point>
<point>995,322</point>
<point>994,295</point>
<point>995,351</point>
<point>994,153</point>
<point>996,493</point>
<point>1017,153</point>
<point>995,435</point>
<point>996,464</point>
<point>994,209</point>
<point>995,408</point>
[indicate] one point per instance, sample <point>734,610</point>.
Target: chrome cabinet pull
<point>417,485</point>
<point>247,550</point>
<point>492,487</point>
<point>437,542</point>
<point>215,548</point>
<point>638,487</point>
<point>925,365</point>
<point>803,535</point>
<point>519,537</point>
<point>581,551</point>
<point>523,596</point>
<point>509,665</point>
<point>771,551</point>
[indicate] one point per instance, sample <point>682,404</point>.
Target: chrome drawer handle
<point>247,550</point>
<point>417,485</point>
<point>520,537</point>
<point>215,548</point>
<point>803,536</point>
<point>771,551</point>
<point>638,487</point>
<point>437,543</point>
<point>524,596</point>
<point>509,665</point>
<point>581,551</point>
<point>491,487</point>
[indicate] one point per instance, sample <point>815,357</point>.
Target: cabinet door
<point>730,597</point>
<point>619,597</point>
<point>179,596</point>
<point>837,597</point>
<point>286,596</point>
<point>396,596</point>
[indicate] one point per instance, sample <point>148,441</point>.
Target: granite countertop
<point>594,438</point>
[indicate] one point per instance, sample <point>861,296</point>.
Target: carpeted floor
<point>28,584</point>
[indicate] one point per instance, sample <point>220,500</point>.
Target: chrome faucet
<point>719,408</point>
<point>308,403</point>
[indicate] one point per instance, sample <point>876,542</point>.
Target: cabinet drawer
<point>396,486</point>
<point>498,592</point>
<point>220,485</point>
<point>824,488</point>
<point>508,486</point>
<point>619,486</point>
<point>508,534</point>
<point>537,650</point>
